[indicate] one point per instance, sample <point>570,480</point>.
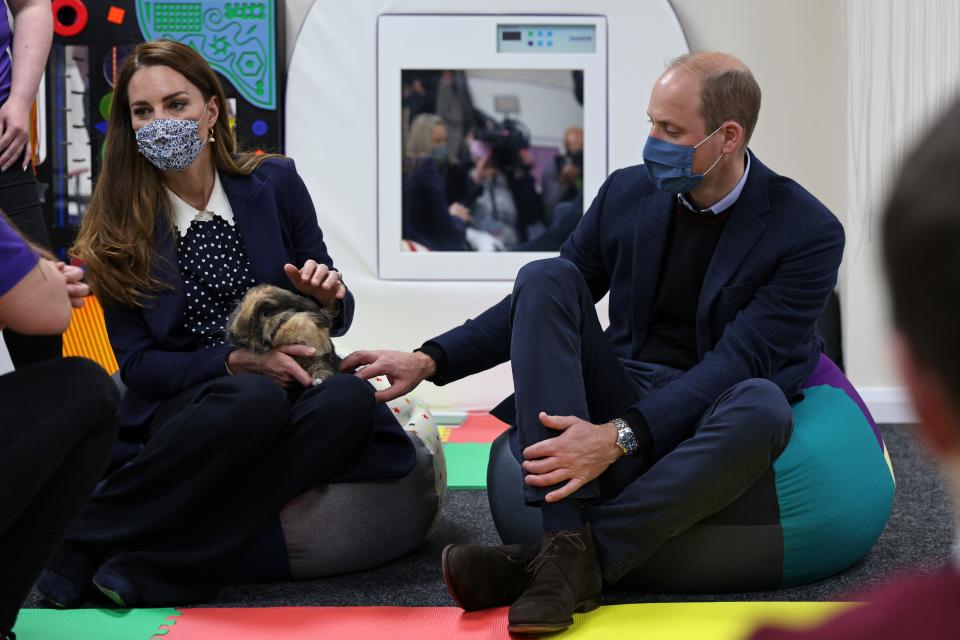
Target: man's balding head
<point>573,139</point>
<point>728,91</point>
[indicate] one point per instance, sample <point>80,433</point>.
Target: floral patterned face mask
<point>170,144</point>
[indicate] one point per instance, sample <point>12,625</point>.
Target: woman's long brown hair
<point>117,233</point>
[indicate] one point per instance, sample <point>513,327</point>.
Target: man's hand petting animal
<point>578,455</point>
<point>317,280</point>
<point>403,370</point>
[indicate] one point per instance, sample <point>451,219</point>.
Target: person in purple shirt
<point>51,452</point>
<point>23,55</point>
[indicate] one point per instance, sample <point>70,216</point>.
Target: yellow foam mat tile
<point>697,620</point>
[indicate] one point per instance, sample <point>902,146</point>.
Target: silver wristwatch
<point>626,439</point>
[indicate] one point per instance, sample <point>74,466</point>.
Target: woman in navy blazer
<point>179,226</point>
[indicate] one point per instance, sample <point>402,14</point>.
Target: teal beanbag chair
<point>818,509</point>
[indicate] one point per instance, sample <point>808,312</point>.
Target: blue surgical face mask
<point>670,166</point>
<point>439,154</point>
<point>170,144</point>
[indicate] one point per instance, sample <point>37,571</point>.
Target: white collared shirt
<point>726,201</point>
<point>218,205</point>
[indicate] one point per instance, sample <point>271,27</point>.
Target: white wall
<point>904,66</point>
<point>845,86</point>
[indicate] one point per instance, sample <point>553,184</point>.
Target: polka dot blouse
<point>216,274</point>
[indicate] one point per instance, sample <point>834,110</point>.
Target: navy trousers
<point>563,364</point>
<point>221,461</point>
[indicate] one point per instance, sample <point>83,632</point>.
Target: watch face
<point>626,439</point>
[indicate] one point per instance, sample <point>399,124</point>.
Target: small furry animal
<point>270,317</point>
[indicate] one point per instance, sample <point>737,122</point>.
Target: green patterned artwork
<point>236,38</point>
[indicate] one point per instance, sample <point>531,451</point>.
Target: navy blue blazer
<point>768,281</point>
<point>159,359</point>
<point>426,216</point>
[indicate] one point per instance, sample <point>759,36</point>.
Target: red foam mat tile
<point>340,623</point>
<point>478,427</point>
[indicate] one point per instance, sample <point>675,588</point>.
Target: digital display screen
<point>546,38</point>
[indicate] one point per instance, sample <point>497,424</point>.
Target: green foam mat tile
<point>467,464</point>
<point>93,624</point>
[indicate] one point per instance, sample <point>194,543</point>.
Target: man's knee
<point>551,281</point>
<point>766,410</point>
<point>547,272</point>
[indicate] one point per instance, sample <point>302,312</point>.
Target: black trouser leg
<point>59,421</point>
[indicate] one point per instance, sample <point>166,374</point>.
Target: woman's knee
<point>345,392</point>
<point>94,393</point>
<point>249,402</point>
<point>254,390</point>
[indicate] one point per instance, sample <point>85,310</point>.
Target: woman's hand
<point>484,171</point>
<point>76,289</point>
<point>277,364</point>
<point>14,125</point>
<point>318,281</point>
<point>457,210</point>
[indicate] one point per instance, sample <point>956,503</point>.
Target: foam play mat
<point>670,621</point>
<point>92,624</point>
<point>87,335</point>
<point>467,450</point>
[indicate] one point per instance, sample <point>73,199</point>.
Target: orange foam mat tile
<point>478,427</point>
<point>347,623</point>
<point>87,335</point>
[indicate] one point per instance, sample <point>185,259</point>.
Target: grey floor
<point>920,533</point>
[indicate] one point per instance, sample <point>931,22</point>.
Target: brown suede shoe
<point>565,578</point>
<point>482,576</point>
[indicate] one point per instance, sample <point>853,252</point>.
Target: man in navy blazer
<point>717,271</point>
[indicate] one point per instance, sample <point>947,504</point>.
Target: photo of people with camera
<point>474,181</point>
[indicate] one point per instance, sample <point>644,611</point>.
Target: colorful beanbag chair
<point>818,509</point>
